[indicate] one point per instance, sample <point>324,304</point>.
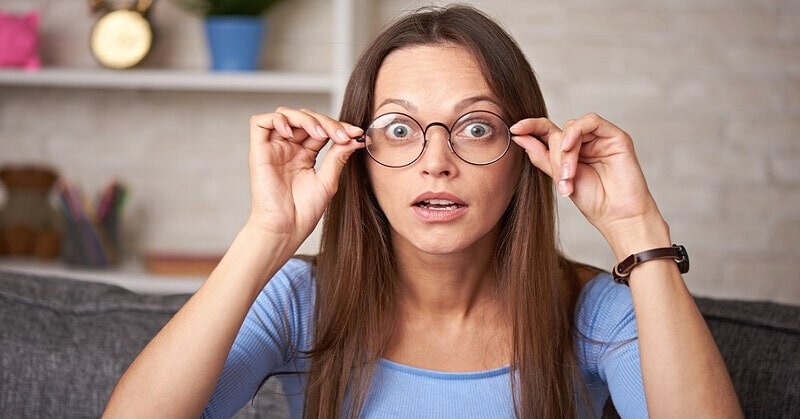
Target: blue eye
<point>477,130</point>
<point>398,130</point>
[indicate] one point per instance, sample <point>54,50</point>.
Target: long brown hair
<point>355,273</point>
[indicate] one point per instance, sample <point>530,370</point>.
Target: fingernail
<point>565,171</point>
<point>564,143</point>
<point>342,135</point>
<point>285,130</point>
<point>563,188</point>
<point>354,130</point>
<point>321,131</point>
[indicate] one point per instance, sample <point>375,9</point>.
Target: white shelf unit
<point>176,80</point>
<point>332,83</point>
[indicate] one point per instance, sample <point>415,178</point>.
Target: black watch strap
<point>676,252</point>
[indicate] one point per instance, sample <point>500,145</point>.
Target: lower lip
<point>438,216</point>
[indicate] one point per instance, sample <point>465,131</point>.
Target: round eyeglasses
<point>398,140</point>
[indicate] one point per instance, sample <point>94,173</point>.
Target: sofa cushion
<point>65,343</point>
<point>760,342</point>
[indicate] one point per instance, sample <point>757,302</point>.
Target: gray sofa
<point>64,344</point>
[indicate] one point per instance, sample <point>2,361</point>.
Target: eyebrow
<point>475,99</point>
<point>404,103</point>
<point>460,105</point>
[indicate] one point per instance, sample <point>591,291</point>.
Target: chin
<point>441,243</point>
<point>440,249</point>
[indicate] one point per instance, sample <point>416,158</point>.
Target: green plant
<point>227,7</point>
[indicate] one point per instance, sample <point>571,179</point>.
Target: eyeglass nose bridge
<point>425,138</point>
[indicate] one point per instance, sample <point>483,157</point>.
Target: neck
<point>450,284</point>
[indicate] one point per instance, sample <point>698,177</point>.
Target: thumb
<point>334,161</point>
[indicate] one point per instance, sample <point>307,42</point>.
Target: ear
<point>98,5</point>
<point>143,6</point>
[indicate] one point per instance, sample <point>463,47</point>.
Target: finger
<point>306,128</point>
<point>541,128</point>
<point>293,122</point>
<point>300,120</point>
<point>580,136</point>
<point>537,152</point>
<point>547,160</point>
<point>562,164</point>
<point>276,130</point>
<point>334,161</point>
<point>340,132</point>
<point>569,164</point>
<point>272,126</point>
<point>312,130</point>
<point>587,129</point>
<point>261,125</point>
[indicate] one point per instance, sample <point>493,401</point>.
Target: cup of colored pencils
<point>91,228</point>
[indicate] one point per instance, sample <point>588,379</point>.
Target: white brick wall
<point>709,89</point>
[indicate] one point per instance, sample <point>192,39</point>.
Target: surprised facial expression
<point>440,204</point>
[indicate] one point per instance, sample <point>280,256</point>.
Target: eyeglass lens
<point>397,140</point>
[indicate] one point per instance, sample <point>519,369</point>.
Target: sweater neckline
<point>443,375</point>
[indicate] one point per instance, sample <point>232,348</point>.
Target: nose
<point>438,158</point>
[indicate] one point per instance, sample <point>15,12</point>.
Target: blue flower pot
<point>234,42</point>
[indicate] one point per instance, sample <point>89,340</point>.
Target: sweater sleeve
<point>608,345</point>
<point>273,331</point>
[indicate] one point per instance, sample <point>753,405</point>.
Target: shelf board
<point>171,80</point>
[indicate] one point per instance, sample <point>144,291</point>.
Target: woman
<point>439,290</point>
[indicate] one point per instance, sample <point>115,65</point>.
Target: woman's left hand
<point>593,162</point>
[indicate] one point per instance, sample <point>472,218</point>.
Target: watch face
<point>121,39</point>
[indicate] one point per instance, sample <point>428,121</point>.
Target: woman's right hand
<point>288,194</point>
<point>289,197</point>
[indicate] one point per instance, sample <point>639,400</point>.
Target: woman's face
<point>440,204</point>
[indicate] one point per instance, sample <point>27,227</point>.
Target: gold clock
<point>121,38</point>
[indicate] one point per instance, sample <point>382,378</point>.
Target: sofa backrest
<point>65,343</point>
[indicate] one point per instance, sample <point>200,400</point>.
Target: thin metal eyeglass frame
<point>363,138</point>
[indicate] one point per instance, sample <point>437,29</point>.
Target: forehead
<point>430,77</point>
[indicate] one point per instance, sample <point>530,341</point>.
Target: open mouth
<point>438,205</point>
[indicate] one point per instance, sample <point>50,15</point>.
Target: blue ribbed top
<point>279,324</point>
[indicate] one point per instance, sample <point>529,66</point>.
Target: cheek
<point>382,184</point>
<point>506,179</point>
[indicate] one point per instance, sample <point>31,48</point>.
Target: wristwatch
<point>677,252</point>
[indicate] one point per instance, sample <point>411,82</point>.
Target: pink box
<point>19,40</point>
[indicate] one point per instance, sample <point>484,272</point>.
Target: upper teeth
<point>439,202</point>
